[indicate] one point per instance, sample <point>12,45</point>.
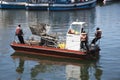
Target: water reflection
<point>20,68</point>
<point>60,19</point>
<point>47,68</point>
<point>9,17</point>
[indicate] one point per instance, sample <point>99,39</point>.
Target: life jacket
<point>83,37</point>
<point>18,31</point>
<point>98,34</point>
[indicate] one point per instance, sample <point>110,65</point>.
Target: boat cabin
<point>73,36</point>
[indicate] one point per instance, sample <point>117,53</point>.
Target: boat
<point>12,5</point>
<point>51,46</point>
<point>57,5</point>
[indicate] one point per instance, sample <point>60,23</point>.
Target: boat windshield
<point>75,29</point>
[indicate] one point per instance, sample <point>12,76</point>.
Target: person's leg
<point>86,45</point>
<point>81,45</point>
<point>94,41</point>
<point>21,39</point>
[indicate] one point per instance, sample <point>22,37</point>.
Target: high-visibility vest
<point>83,37</point>
<point>98,33</point>
<point>18,31</point>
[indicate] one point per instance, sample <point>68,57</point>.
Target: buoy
<point>61,45</point>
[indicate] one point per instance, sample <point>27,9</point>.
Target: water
<point>24,67</point>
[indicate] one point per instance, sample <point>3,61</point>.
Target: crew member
<point>19,33</point>
<point>98,34</point>
<point>71,31</point>
<point>84,40</point>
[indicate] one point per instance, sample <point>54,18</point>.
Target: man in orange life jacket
<point>98,34</point>
<point>19,33</point>
<point>84,40</point>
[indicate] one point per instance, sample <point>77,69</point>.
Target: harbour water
<point>23,67</point>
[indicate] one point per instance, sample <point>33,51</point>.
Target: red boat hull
<point>54,52</point>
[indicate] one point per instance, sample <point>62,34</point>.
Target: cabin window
<point>75,29</point>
